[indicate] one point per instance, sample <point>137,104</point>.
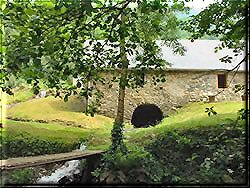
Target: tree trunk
<point>87,97</point>
<point>120,105</point>
<point>123,79</point>
<point>117,131</point>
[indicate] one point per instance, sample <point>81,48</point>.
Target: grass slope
<point>52,109</point>
<point>97,130</point>
<point>65,122</point>
<point>192,116</point>
<point>187,142</point>
<point>95,139</point>
<point>20,95</point>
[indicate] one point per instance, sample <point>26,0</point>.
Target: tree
<point>227,19</point>
<point>51,41</point>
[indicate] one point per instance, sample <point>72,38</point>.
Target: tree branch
<point>244,59</point>
<point>235,68</point>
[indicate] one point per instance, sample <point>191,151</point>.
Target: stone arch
<point>145,115</point>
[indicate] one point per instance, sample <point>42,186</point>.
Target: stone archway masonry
<point>180,88</point>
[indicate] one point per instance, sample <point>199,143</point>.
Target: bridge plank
<point>23,162</point>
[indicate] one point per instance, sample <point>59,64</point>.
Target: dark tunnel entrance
<point>145,115</point>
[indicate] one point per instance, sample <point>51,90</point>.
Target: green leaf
<point>66,98</point>
<point>35,91</point>
<point>2,49</point>
<point>66,36</point>
<point>63,9</point>
<point>227,179</point>
<point>35,39</point>
<point>29,80</point>
<point>37,61</point>
<point>78,84</point>
<point>29,11</point>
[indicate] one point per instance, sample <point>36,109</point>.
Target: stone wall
<point>180,88</point>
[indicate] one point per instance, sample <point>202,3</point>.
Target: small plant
<point>136,166</point>
<point>210,111</point>
<point>239,87</point>
<point>117,138</point>
<point>243,114</point>
<point>94,103</point>
<point>19,176</point>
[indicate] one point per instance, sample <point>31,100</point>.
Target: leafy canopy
<point>225,19</point>
<point>55,41</point>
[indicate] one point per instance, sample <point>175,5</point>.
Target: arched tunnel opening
<point>146,115</point>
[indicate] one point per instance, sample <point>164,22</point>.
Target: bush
<point>206,155</point>
<point>14,82</point>
<point>137,166</point>
<point>22,145</point>
<point>19,176</point>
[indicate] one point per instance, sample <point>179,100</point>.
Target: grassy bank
<point>31,138</point>
<point>20,95</point>
<point>65,123</point>
<point>51,110</point>
<point>188,141</point>
<point>189,117</point>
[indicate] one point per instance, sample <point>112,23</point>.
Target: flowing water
<point>69,170</point>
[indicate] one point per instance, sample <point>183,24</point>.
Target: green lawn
<point>192,116</point>
<point>53,109</point>
<point>97,129</point>
<point>173,142</point>
<point>96,139</point>
<point>65,122</point>
<point>20,95</point>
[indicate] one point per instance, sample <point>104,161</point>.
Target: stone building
<point>181,87</point>
<point>197,76</point>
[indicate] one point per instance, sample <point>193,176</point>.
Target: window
<point>222,80</point>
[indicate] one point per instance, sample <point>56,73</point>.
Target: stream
<point>70,172</point>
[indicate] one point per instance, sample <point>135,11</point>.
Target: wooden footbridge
<point>23,162</point>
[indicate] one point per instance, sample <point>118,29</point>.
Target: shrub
<point>19,176</point>
<point>136,166</point>
<point>24,145</point>
<point>212,155</point>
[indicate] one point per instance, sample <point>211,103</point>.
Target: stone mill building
<point>198,76</point>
